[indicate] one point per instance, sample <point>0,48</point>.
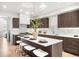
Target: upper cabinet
<point>44,21</point>
<point>69,19</point>
<point>15,22</point>
<point>24,19</point>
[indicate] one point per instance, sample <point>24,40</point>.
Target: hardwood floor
<point>7,50</point>
<point>65,54</point>
<point>4,47</point>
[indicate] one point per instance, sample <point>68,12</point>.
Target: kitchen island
<point>52,46</point>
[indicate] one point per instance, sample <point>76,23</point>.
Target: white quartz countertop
<point>70,36</point>
<point>49,41</point>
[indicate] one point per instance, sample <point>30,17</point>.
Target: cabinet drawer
<point>73,43</point>
<point>72,50</point>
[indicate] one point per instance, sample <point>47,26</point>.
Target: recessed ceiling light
<point>27,5</point>
<point>27,12</point>
<point>32,12</point>
<point>21,10</point>
<point>43,6</point>
<point>4,6</point>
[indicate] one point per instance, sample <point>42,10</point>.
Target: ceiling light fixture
<point>4,6</point>
<point>32,13</point>
<point>27,5</point>
<point>21,10</point>
<point>43,6</point>
<point>27,12</point>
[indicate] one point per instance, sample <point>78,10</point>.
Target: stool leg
<point>23,53</point>
<point>18,50</point>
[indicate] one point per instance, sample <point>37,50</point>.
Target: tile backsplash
<point>68,31</point>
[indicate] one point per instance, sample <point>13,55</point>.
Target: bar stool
<point>29,49</point>
<point>22,44</point>
<point>18,41</point>
<point>40,53</point>
<point>17,50</point>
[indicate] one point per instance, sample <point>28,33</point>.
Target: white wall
<point>53,23</point>
<point>3,26</point>
<point>24,21</point>
<point>24,18</point>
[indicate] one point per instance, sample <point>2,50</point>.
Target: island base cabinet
<point>57,50</point>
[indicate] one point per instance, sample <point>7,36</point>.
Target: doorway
<point>5,28</point>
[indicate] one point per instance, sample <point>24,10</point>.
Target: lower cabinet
<point>70,44</point>
<point>72,50</point>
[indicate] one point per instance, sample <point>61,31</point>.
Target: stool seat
<point>18,36</point>
<point>19,41</point>
<point>23,44</point>
<point>29,48</point>
<point>40,53</point>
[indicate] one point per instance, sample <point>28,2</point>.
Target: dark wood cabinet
<point>15,22</point>
<point>70,44</point>
<point>44,21</point>
<point>28,26</point>
<point>69,19</point>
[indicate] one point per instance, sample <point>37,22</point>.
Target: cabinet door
<point>71,45</point>
<point>74,19</point>
<point>45,23</point>
<point>15,22</point>
<point>69,19</point>
<point>61,22</point>
<point>64,20</point>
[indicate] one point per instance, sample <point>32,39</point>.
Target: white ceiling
<point>14,7</point>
